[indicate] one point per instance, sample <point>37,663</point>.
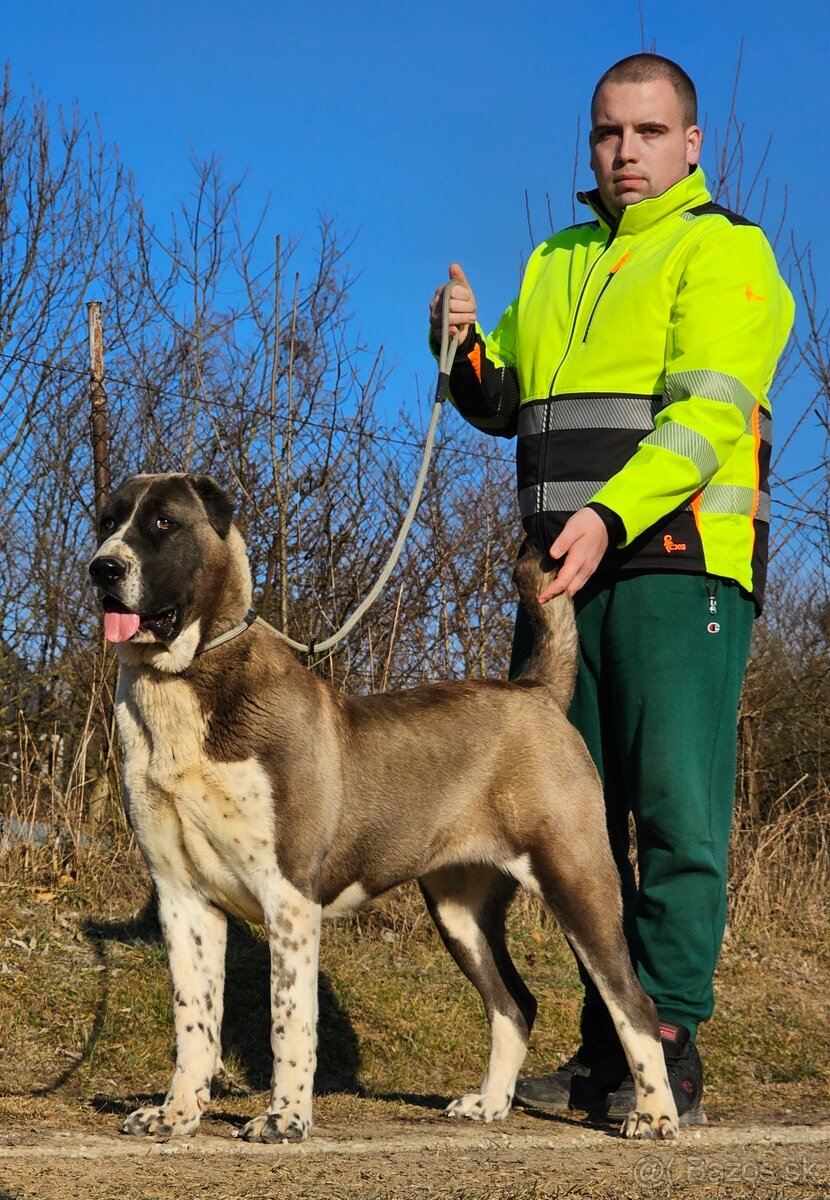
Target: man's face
<point>640,143</point>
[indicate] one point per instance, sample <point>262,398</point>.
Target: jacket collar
<point>684,194</point>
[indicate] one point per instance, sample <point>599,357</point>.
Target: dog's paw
<point>644,1125</point>
<point>160,1122</point>
<point>276,1127</point>
<point>476,1107</point>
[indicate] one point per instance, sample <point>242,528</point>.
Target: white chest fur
<point>213,819</point>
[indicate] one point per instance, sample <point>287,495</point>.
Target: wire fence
<point>321,484</point>
<point>219,358</point>
<point>49,452</point>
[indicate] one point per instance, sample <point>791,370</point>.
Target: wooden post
<point>99,424</point>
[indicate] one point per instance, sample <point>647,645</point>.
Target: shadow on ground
<point>246,1040</point>
<point>416,1099</point>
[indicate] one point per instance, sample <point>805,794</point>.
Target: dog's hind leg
<point>195,933</point>
<point>468,905</point>
<point>293,925</point>
<point>581,885</point>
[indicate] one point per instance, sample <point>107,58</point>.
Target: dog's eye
<point>164,523</point>
<point>107,524</point>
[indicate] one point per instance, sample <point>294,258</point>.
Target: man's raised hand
<point>462,311</point>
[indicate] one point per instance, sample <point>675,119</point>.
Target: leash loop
<point>448,348</point>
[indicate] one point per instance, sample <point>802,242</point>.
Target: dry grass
<point>86,1036</point>
<point>85,1012</point>
<point>780,873</point>
<point>85,1015</point>
<point>63,823</point>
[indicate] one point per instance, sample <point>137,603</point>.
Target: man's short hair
<point>643,68</point>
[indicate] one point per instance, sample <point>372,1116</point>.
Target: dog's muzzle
<point>120,622</point>
<point>106,571</point>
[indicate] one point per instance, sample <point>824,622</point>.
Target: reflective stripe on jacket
<point>634,366</point>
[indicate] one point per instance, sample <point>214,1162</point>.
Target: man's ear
<point>694,140</point>
<point>217,502</point>
<point>591,149</point>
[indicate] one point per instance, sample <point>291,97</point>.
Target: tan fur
<point>555,641</point>
<point>254,787</point>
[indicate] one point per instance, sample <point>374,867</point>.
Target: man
<point>634,368</point>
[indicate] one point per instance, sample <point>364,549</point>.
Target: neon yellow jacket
<point>634,366</point>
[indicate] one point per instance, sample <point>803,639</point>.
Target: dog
<point>254,788</point>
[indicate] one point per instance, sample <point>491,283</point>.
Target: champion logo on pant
<point>668,1032</point>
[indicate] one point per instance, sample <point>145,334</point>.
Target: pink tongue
<point>120,626</point>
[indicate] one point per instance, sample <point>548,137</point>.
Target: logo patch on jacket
<point>670,545</point>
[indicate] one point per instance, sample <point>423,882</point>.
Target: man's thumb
<point>457,274</point>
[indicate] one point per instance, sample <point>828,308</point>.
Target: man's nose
<point>628,149</point>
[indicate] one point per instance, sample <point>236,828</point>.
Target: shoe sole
<point>695,1116</point>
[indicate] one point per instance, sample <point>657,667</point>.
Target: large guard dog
<point>253,787</point>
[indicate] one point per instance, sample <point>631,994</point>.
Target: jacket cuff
<point>462,349</point>
<point>613,522</point>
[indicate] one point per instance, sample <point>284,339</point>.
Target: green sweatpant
<point>662,662</point>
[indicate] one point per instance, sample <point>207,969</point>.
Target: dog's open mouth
<point>121,623</point>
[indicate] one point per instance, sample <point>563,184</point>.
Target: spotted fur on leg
<point>195,934</point>
<point>655,1113</point>
<point>293,925</point>
<point>595,931</point>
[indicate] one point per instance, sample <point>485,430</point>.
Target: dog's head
<point>169,562</point>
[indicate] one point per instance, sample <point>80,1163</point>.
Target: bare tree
<point>228,353</point>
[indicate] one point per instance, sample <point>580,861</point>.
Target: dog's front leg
<point>293,926</point>
<point>195,934</point>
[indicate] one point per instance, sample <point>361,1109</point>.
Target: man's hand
<point>462,312</point>
<point>582,544</point>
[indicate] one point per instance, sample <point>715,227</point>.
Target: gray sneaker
<point>582,1083</point>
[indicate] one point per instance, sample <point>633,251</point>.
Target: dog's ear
<point>217,502</point>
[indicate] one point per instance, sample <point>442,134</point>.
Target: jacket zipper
<point>609,277</point>
<point>546,428</point>
<point>575,317</point>
<point>619,263</point>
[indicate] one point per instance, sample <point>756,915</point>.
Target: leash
<point>250,617</point>
<point>445,361</point>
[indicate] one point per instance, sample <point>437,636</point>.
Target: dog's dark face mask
<point>154,541</point>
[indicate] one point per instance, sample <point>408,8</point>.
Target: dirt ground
<point>86,1037</point>
<point>368,1150</point>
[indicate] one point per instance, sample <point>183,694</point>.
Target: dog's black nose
<point>107,570</point>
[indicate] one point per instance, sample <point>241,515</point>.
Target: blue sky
<point>417,127</point>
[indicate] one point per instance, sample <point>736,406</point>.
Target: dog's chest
<point>220,814</point>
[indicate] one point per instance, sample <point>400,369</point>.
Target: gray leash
<point>445,361</point>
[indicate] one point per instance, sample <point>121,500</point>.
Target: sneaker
<point>583,1082</point>
<point>685,1072</point>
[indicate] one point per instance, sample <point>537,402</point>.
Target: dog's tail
<point>553,660</point>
